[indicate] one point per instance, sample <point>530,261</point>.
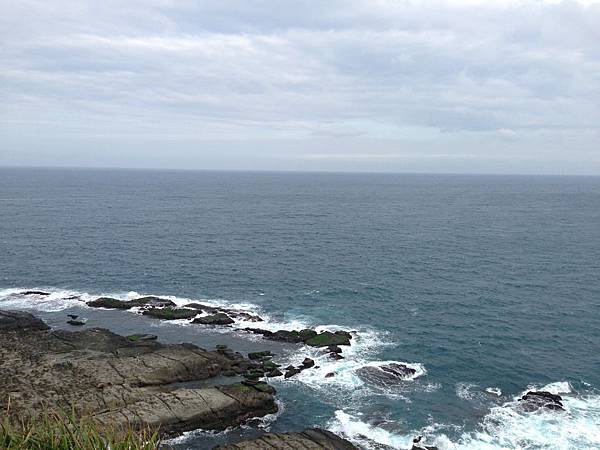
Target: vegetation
<point>169,313</point>
<point>327,338</point>
<point>53,431</point>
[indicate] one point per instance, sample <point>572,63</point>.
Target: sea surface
<point>486,285</point>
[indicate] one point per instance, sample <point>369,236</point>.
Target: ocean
<point>486,285</point>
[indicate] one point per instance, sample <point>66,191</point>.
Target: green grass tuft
<point>54,431</point>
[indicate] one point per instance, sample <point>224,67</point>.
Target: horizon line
<point>299,171</point>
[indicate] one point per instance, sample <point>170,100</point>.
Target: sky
<point>440,86</point>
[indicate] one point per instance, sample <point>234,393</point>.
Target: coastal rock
<point>308,337</point>
<point>260,355</point>
<point>142,337</point>
<point>386,374</point>
<point>76,322</point>
<point>40,293</point>
<point>118,381</point>
<point>19,320</point>
<point>310,439</point>
<point>214,319</point>
<point>170,313</point>
<point>113,303</point>
<point>534,400</point>
<point>417,445</point>
<point>246,317</point>
<point>291,372</point>
<point>240,315</point>
<point>308,363</point>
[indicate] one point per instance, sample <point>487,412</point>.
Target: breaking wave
<point>504,427</point>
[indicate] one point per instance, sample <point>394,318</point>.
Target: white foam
<point>509,427</point>
<point>494,390</point>
<point>263,423</point>
<point>364,345</point>
<point>57,300</point>
<point>365,435</point>
<point>504,427</point>
<point>466,391</point>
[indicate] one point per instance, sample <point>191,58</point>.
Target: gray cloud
<point>232,84</point>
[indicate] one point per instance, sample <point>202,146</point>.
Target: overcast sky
<point>375,85</point>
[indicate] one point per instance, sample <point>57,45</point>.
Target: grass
<point>55,431</point>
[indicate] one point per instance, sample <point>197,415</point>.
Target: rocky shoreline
<point>136,381</point>
<point>131,381</point>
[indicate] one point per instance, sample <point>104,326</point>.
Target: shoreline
<point>119,382</point>
<point>160,316</point>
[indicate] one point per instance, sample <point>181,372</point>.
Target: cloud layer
<point>372,84</point>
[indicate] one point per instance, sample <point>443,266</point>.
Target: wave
<point>504,427</point>
<point>508,426</point>
<point>61,299</point>
<point>358,373</point>
<point>262,423</point>
<point>55,300</point>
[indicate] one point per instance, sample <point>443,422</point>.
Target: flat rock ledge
<point>119,382</point>
<point>310,439</point>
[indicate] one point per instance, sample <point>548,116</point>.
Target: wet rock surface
<point>534,400</point>
<point>387,374</point>
<point>170,313</point>
<point>117,380</point>
<point>214,319</point>
<point>113,303</point>
<point>310,439</point>
<point>306,336</point>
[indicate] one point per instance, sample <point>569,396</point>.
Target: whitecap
<point>510,427</point>
<point>494,390</point>
<point>365,435</point>
<point>56,300</point>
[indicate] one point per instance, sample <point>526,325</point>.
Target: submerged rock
<point>214,319</point>
<point>314,438</point>
<point>534,400</point>
<point>76,322</point>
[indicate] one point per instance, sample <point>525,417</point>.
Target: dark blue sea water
<point>487,285</point>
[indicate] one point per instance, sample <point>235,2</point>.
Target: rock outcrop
<point>310,439</point>
<point>534,400</point>
<point>386,374</point>
<point>306,336</point>
<point>18,320</point>
<point>113,303</point>
<point>118,381</point>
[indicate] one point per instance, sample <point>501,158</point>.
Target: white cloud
<point>508,72</point>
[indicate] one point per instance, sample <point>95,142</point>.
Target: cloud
<point>527,73</point>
